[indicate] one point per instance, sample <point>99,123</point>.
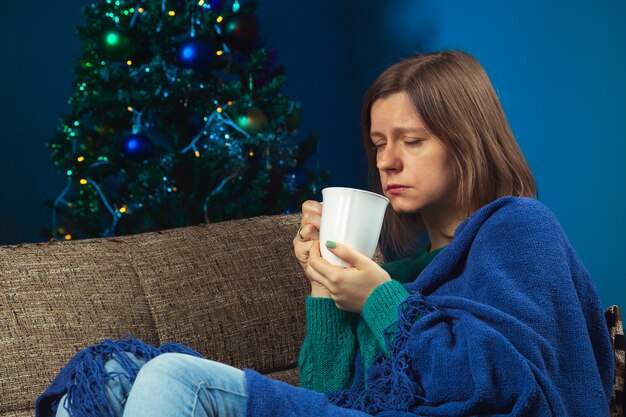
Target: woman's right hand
<point>307,235</point>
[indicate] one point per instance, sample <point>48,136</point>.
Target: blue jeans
<point>174,384</point>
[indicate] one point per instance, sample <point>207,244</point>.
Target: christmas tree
<point>177,118</point>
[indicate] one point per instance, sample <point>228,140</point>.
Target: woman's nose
<point>387,159</point>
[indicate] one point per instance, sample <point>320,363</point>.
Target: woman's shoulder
<point>519,208</point>
<point>515,219</point>
<point>514,211</point>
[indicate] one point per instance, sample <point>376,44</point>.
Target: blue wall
<point>557,66</point>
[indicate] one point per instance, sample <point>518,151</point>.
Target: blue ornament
<point>137,147</point>
<point>217,5</point>
<point>195,54</point>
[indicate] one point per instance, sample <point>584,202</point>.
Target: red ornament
<point>240,31</point>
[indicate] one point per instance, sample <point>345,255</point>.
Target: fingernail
<point>330,244</point>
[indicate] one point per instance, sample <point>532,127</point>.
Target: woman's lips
<point>396,188</point>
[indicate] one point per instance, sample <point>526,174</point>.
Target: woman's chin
<point>403,208</point>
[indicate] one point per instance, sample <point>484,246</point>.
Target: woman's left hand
<point>351,286</point>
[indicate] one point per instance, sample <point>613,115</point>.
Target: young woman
<point>486,310</point>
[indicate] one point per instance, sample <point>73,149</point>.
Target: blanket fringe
<point>387,390</point>
<point>86,393</point>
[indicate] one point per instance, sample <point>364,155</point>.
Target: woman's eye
<point>413,142</point>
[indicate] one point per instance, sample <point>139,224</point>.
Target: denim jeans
<point>174,384</point>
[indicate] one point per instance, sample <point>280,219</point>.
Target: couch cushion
<point>234,291</point>
<point>20,413</point>
<point>56,298</point>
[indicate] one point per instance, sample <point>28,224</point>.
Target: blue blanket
<point>505,321</point>
<point>84,377</point>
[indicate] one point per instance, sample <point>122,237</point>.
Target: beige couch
<point>233,291</point>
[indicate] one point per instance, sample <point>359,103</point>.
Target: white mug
<point>352,217</point>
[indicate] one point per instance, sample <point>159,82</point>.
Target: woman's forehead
<point>395,112</point>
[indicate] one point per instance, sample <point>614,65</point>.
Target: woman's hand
<point>349,287</point>
<point>307,235</point>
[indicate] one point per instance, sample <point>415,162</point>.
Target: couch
<point>233,291</point>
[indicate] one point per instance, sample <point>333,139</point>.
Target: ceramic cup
<point>352,217</point>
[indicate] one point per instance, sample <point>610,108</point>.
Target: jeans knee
<point>178,368</point>
<point>163,367</point>
<point>180,384</point>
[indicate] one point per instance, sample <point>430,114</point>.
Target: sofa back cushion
<point>233,291</point>
<point>57,298</point>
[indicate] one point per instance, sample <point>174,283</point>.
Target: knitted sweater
<point>505,321</point>
<point>334,336</point>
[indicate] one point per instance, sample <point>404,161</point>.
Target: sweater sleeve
<point>327,353</point>
<point>381,311</point>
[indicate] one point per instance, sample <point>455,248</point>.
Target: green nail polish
<point>330,244</point>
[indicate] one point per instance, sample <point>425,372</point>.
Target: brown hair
<point>458,105</point>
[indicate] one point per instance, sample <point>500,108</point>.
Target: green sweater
<point>326,360</point>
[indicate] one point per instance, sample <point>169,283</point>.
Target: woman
<point>488,311</point>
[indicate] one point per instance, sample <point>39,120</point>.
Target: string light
<point>219,19</point>
<point>140,10</point>
<point>129,62</point>
<point>219,110</point>
<point>172,13</point>
<point>83,181</point>
<point>219,53</point>
<point>80,159</point>
<point>201,3</point>
<point>123,209</point>
<point>68,237</point>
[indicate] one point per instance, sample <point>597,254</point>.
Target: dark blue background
<point>558,67</point>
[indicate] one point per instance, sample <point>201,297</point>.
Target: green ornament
<point>252,121</point>
<point>116,46</point>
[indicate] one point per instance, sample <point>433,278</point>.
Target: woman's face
<point>415,170</point>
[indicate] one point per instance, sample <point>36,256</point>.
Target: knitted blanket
<point>505,321</point>
<point>84,377</point>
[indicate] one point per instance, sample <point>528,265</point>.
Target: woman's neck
<point>438,226</point>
